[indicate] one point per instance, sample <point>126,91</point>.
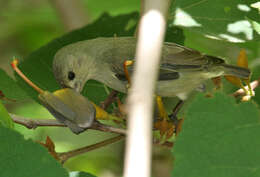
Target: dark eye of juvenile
<point>71,75</point>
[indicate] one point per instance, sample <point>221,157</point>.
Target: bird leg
<point>177,122</point>
<point>126,64</point>
<point>162,112</point>
<point>164,125</point>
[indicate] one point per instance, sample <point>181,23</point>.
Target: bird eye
<point>71,75</point>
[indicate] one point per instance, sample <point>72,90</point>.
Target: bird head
<point>70,68</point>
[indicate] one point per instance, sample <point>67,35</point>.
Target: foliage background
<point>28,25</point>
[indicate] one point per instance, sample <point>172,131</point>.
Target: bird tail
<point>237,71</point>
<point>230,70</point>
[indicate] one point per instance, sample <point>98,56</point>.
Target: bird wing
<point>59,109</point>
<point>163,74</point>
<point>179,57</point>
<point>175,58</point>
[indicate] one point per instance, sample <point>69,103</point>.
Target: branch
<point>72,13</point>
<point>66,155</point>
<point>140,100</point>
<point>34,123</point>
<point>141,15</point>
<point>110,99</point>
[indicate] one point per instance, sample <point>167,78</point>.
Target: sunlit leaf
<point>255,25</point>
<point>223,19</point>
<point>256,5</point>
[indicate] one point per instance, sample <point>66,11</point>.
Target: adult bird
<point>181,69</point>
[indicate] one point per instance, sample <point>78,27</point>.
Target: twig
<point>106,128</point>
<point>110,99</point>
<point>141,14</point>
<point>72,13</point>
<point>241,92</point>
<point>166,144</point>
<point>140,100</point>
<point>66,155</point>
<point>34,123</point>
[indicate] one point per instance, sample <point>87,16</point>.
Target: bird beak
<point>75,86</point>
<point>78,87</point>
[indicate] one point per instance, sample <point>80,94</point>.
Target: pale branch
<point>34,123</point>
<point>141,14</point>
<point>140,100</point>
<point>66,155</point>
<point>72,13</point>
<point>107,128</point>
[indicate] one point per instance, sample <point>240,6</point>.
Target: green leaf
<point>219,139</point>
<point>38,66</point>
<point>22,158</point>
<point>5,119</point>
<point>255,25</point>
<point>82,174</point>
<point>10,88</point>
<point>256,5</point>
<point>217,19</point>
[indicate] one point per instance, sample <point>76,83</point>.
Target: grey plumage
<point>181,69</point>
<point>70,108</point>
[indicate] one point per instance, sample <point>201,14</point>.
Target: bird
<point>62,104</point>
<point>102,59</point>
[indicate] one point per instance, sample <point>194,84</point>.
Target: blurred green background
<point>27,25</point>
